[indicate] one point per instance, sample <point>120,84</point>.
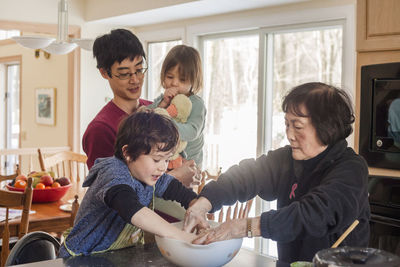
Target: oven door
<point>385,233</point>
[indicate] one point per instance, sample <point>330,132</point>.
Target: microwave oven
<point>380,115</point>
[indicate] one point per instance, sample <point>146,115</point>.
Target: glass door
<point>10,110</point>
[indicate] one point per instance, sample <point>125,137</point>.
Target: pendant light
<point>60,46</point>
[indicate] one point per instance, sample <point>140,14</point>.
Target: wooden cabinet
<point>378,25</point>
<point>378,42</point>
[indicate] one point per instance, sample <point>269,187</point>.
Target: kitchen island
<point>149,255</point>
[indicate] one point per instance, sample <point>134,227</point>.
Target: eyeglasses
<point>125,76</point>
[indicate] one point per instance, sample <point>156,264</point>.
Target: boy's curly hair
<point>144,130</point>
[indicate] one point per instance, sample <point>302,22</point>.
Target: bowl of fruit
<point>45,187</point>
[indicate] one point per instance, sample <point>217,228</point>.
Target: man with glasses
<point>120,60</point>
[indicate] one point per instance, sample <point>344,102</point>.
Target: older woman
<point>320,183</point>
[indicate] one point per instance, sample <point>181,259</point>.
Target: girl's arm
<point>195,123</point>
<point>149,221</point>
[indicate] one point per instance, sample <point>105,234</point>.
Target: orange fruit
<point>40,186</point>
<point>20,184</point>
<point>21,177</point>
<point>48,187</point>
<point>56,184</point>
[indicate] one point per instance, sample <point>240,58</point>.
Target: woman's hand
<point>195,217</point>
<point>227,230</point>
<point>186,174</point>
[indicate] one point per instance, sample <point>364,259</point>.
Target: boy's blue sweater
<point>96,225</point>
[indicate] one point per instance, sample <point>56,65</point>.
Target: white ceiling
<point>188,10</point>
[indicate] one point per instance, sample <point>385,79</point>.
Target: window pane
<point>300,57</point>
<point>230,95</point>
<point>13,111</point>
<point>156,54</point>
<point>10,114</point>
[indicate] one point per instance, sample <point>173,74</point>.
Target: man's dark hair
<point>144,130</point>
<point>116,46</point>
<point>329,108</point>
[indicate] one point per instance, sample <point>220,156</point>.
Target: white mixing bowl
<point>185,254</point>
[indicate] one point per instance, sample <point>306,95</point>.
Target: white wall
<point>40,11</point>
<point>94,89</point>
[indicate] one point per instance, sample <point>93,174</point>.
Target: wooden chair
<point>13,199</point>
<point>11,176</point>
<point>66,163</point>
<point>240,210</point>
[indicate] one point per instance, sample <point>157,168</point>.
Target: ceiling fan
<point>62,44</point>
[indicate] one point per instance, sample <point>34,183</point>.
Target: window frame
<point>265,85</point>
<point>270,19</point>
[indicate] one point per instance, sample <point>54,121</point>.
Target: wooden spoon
<point>345,234</point>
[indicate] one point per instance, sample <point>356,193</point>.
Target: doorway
<point>9,110</point>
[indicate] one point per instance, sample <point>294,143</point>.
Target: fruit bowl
<point>185,254</point>
<point>44,195</point>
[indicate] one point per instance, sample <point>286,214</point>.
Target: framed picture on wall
<point>45,106</point>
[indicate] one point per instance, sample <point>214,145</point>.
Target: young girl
<point>121,188</point>
<point>181,73</point>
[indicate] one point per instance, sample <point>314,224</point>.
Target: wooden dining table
<point>48,217</point>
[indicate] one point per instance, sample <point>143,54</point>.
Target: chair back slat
<point>228,214</point>
<point>221,216</point>
<point>235,211</point>
<point>30,163</point>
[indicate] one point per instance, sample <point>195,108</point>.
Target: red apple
<point>63,181</point>
<point>47,180</point>
<point>21,177</point>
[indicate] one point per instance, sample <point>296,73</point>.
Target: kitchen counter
<point>149,255</point>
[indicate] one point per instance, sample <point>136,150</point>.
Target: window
<point>246,76</point>
<point>299,57</point>
<point>156,54</point>
<point>7,34</point>
<point>230,95</point>
<point>9,112</point>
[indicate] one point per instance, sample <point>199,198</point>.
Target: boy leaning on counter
<point>115,207</point>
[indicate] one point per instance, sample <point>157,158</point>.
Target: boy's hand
<point>195,217</point>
